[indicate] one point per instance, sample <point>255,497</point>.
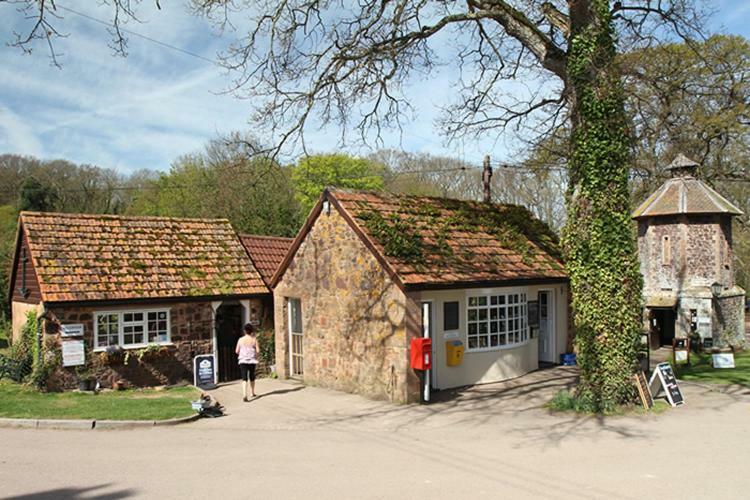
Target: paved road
<point>491,442</point>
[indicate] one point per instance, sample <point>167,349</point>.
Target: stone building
<point>179,287</point>
<point>369,272</point>
<point>685,250</point>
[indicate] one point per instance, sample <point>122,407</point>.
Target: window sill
<point>135,346</point>
<point>497,348</point>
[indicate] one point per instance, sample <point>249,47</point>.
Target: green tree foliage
<point>313,174</point>
<point>37,196</point>
<point>225,181</point>
<point>8,217</point>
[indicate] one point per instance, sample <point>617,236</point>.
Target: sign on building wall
<point>73,353</point>
<point>75,330</point>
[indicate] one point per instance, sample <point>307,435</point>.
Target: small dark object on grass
<point>205,409</point>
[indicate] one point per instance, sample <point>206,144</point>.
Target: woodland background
<point>679,100</point>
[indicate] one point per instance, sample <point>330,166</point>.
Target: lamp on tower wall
<point>716,289</point>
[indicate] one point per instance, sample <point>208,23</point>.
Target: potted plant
<point>85,378</point>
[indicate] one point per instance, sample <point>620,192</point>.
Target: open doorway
<point>229,318</point>
<point>662,326</point>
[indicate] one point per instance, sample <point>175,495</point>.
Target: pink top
<point>248,354</point>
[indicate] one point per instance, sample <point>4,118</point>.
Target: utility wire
<point>139,35</point>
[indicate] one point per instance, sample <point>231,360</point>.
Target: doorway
<point>662,326</point>
<point>296,359</point>
<point>228,330</point>
<point>547,342</point>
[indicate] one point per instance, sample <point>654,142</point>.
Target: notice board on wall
<point>73,353</point>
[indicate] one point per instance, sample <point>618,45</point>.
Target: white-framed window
<point>131,328</point>
<point>496,321</point>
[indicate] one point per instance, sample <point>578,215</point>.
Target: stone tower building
<point>685,251</point>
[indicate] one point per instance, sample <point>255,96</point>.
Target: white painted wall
<point>497,364</point>
<point>19,310</point>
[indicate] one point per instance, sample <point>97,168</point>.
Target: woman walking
<point>247,351</point>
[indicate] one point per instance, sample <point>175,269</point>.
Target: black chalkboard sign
<point>667,381</point>
<point>204,370</point>
<point>708,343</point>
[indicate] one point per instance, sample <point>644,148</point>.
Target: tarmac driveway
<point>493,441</point>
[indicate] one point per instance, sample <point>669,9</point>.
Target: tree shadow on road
<point>88,493</point>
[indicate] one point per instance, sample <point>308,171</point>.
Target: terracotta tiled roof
<point>105,257</point>
<point>267,252</point>
<point>685,195</point>
<point>435,241</point>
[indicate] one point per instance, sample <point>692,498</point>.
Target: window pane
<point>472,328</point>
<point>493,340</point>
<point>472,301</point>
<point>295,306</point>
<point>472,342</point>
<point>157,330</point>
<point>493,327</point>
<point>472,314</point>
<point>482,314</point>
<point>493,300</point>
<point>482,328</point>
<point>450,316</point>
<point>501,299</point>
<point>483,342</point>
<point>493,313</point>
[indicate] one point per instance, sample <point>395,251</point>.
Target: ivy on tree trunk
<point>598,240</point>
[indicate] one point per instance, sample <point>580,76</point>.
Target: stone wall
<point>357,323</point>
<point>729,315</point>
<point>701,252</point>
<point>191,334</point>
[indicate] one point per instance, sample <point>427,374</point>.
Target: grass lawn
<point>700,370</point>
<point>17,401</point>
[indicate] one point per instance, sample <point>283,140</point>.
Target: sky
<point>145,110</point>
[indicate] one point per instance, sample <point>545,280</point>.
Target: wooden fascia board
<point>422,287</point>
<point>161,300</point>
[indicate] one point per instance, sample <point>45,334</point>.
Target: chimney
<point>682,166</point>
<point>486,178</point>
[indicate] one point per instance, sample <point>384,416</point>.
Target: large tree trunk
<point>599,239</point>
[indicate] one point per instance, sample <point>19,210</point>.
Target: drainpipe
<point>39,320</point>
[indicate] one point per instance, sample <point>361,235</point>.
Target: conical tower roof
<point>684,194</point>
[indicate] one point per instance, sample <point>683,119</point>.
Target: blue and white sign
<point>204,369</point>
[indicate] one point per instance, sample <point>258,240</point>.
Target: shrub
<point>267,346</point>
<point>567,401</point>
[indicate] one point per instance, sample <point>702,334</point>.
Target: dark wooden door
<point>228,331</point>
<point>665,319</point>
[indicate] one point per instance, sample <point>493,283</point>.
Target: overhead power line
<point>139,35</point>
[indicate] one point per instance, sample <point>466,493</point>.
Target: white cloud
<point>18,134</point>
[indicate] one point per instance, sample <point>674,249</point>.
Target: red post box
<point>421,353</point>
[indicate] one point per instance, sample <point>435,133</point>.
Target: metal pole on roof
<point>486,177</point>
